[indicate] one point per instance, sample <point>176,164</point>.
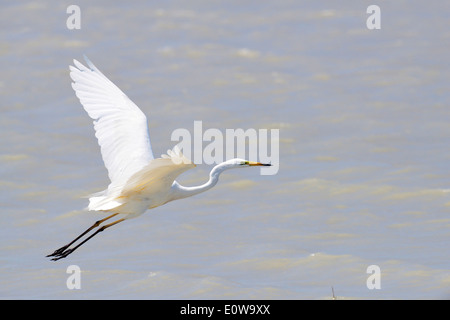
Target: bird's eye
<point>244,162</point>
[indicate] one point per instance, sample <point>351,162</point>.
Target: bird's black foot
<point>58,252</point>
<point>63,254</point>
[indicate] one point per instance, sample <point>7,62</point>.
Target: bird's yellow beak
<point>252,163</point>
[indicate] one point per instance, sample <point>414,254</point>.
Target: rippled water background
<point>364,174</point>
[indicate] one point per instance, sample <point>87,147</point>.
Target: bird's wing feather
<point>120,126</point>
<point>159,174</point>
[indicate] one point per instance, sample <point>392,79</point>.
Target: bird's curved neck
<point>180,191</point>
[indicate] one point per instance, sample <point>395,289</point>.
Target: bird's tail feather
<point>102,203</point>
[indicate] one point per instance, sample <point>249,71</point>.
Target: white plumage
<point>122,133</point>
<point>138,181</point>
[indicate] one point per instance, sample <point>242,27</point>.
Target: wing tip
<point>81,66</point>
<point>89,63</point>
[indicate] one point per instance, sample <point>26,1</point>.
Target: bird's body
<point>150,187</point>
<point>138,181</point>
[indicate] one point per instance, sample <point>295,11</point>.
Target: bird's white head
<point>242,163</point>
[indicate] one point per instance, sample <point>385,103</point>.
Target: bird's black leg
<point>69,251</point>
<point>61,250</point>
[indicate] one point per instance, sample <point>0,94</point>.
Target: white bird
<point>138,181</point>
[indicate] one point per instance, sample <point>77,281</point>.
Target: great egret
<point>138,181</point>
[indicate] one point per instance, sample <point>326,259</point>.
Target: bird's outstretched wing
<point>120,126</point>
